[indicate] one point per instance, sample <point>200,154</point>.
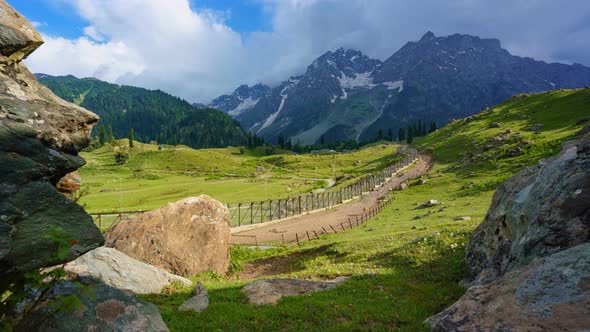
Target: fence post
<point>261,211</point>
<point>239,214</point>
<point>342,225</point>
<point>350,222</point>
<point>316,235</point>
<point>252,213</point>
<point>308,238</point>
<point>299,204</point>
<point>297,237</point>
<point>270,210</point>
<point>283,236</point>
<point>99,221</point>
<point>324,230</point>
<point>333,229</point>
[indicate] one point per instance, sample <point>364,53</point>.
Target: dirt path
<point>275,232</point>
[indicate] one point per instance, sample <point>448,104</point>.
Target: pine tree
<point>379,134</point>
<point>322,140</point>
<point>432,127</point>
<point>131,138</point>
<point>401,135</point>
<point>389,134</point>
<point>281,141</point>
<point>410,135</point>
<point>111,137</point>
<point>102,136</point>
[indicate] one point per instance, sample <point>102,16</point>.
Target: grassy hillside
<point>153,178</point>
<point>407,262</point>
<point>152,114</point>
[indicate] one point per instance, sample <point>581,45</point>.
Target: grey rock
<point>429,203</point>
<point>270,291</point>
<point>199,302</point>
<point>40,136</point>
<point>401,186</point>
<point>537,127</point>
<point>120,271</point>
<point>102,308</point>
<point>550,294</point>
<point>495,125</point>
<point>462,218</point>
<point>540,211</point>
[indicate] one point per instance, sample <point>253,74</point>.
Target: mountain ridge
<point>344,94</point>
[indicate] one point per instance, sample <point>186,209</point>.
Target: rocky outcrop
<point>120,271</point>
<point>528,263</point>
<point>270,291</point>
<point>187,237</point>
<point>542,210</point>
<point>551,294</point>
<point>40,135</point>
<point>99,308</point>
<point>199,302</point>
<point>70,183</point>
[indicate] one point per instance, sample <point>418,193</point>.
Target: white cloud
<point>194,54</point>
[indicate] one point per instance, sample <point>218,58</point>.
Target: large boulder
<point>120,271</point>
<point>98,307</point>
<point>40,136</point>
<point>528,263</point>
<point>270,291</point>
<point>551,294</point>
<point>188,237</point>
<point>542,210</point>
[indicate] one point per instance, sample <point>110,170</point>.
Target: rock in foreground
<point>529,261</point>
<point>188,237</point>
<point>551,294</point>
<point>40,136</point>
<point>541,210</point>
<point>270,291</point>
<point>101,308</point>
<point>120,271</point>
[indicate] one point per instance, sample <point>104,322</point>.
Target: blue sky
<point>200,49</point>
<point>59,18</point>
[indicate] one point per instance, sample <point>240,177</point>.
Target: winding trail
<point>287,228</point>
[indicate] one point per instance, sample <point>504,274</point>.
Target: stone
<point>199,302</point>
<point>40,136</point>
<point>429,203</point>
<point>101,308</point>
<point>188,237</point>
<point>421,182</point>
<point>537,127</point>
<point>18,37</point>
<point>270,291</point>
<point>495,125</point>
<point>120,271</point>
<point>462,218</point>
<point>550,294</point>
<point>401,186</point>
<point>70,183</point>
<point>541,210</point>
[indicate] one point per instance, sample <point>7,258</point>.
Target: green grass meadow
<point>406,263</point>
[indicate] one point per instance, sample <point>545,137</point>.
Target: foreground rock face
<point>102,308</point>
<point>270,291</point>
<point>551,294</point>
<point>542,210</point>
<point>120,271</point>
<point>529,262</point>
<point>187,237</point>
<point>40,135</point>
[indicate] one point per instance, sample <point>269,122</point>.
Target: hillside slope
<point>154,115</point>
<point>406,263</point>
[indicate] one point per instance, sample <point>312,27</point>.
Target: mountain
<point>346,95</point>
<point>153,114</point>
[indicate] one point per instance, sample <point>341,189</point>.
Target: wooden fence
<point>264,211</point>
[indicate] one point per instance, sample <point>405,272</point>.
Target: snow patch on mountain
<point>245,105</point>
<point>271,119</point>
<point>360,80</point>
<point>399,85</point>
